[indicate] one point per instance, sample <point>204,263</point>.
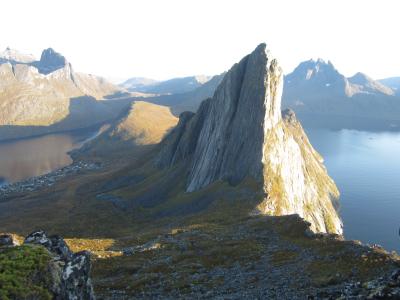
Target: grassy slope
<point>142,126</point>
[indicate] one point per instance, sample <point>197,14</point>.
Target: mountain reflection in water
<point>25,158</point>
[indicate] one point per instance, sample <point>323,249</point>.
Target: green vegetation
<point>23,273</point>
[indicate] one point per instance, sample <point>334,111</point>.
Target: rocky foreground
<point>251,258</point>
<point>43,268</point>
<point>247,258</point>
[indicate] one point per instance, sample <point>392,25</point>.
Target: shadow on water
<point>83,112</point>
<point>29,151</point>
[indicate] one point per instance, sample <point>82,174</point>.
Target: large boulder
<point>70,272</point>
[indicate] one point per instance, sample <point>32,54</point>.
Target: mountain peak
<point>317,61</point>
<point>51,61</point>
<point>313,74</point>
<point>253,88</point>
<point>239,135</point>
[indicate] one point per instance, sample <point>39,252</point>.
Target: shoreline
<point>46,180</point>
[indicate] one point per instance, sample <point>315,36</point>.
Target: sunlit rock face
<point>240,133</point>
<point>295,179</point>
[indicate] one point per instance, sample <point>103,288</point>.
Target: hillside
<point>213,210</point>
<point>142,126</point>
<point>44,96</point>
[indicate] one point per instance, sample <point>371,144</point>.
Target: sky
<point>163,39</point>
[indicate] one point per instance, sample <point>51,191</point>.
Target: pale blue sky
<point>163,39</point>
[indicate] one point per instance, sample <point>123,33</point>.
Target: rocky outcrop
<point>70,272</point>
<point>50,61</point>
<point>240,133</point>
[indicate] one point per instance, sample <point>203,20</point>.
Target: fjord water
<point>364,165</point>
<point>366,169</point>
<point>25,158</point>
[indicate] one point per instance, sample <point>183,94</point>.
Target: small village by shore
<point>46,180</point>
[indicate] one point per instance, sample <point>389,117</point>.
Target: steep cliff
<point>239,133</point>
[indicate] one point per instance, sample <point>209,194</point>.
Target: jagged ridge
<point>239,133</point>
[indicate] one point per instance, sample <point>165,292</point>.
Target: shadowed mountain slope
<point>41,93</point>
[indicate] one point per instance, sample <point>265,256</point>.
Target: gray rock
<point>240,133</point>
<point>289,116</point>
<point>218,135</point>
<point>6,240</point>
<point>70,271</point>
<point>76,283</point>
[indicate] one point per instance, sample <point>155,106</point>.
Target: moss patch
<point>23,273</point>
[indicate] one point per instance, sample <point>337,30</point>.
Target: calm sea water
<point>366,169</point>
<point>25,158</point>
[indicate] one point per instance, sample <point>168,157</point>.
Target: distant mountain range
<point>323,97</point>
<point>188,101</point>
<point>172,86</point>
<point>47,95</point>
<point>137,83</point>
<point>393,83</point>
<point>319,94</point>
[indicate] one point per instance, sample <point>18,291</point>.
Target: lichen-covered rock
<point>240,133</point>
<point>70,272</point>
<point>76,283</point>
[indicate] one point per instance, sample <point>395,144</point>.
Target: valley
<point>210,204</point>
<point>22,159</point>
